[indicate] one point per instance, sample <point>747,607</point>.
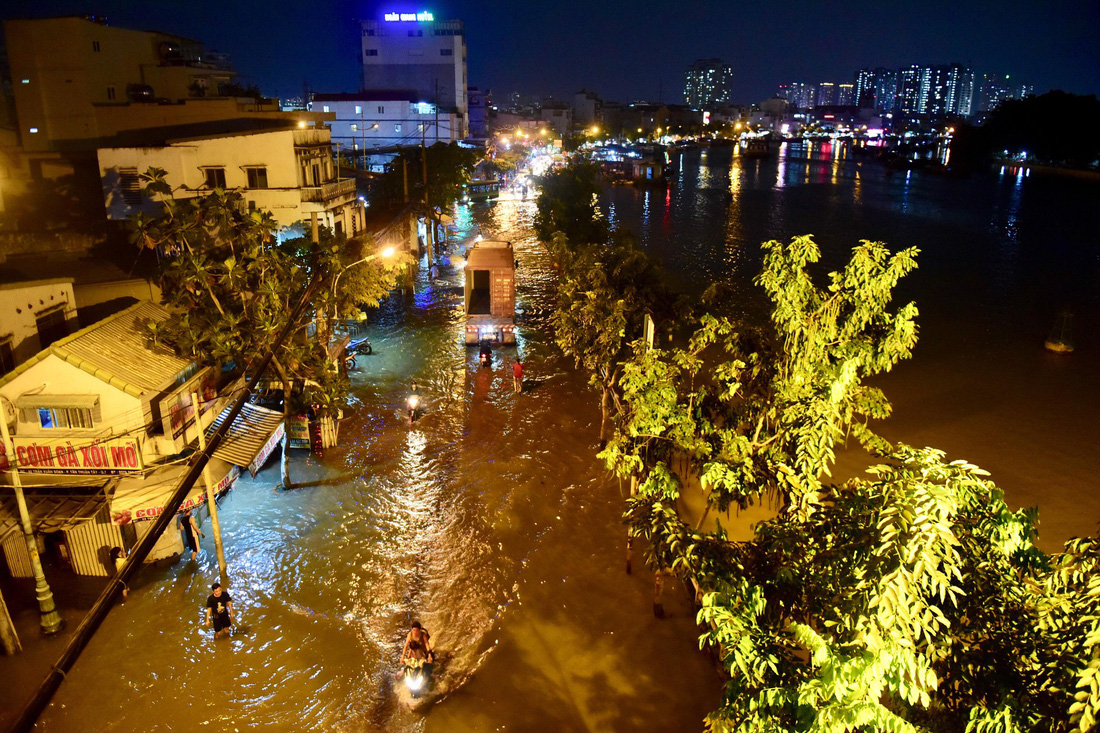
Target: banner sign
<point>177,412</point>
<point>297,431</point>
<point>197,499</point>
<point>66,455</point>
<point>261,457</point>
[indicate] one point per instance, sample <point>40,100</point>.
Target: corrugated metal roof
<point>49,512</point>
<point>118,351</point>
<point>248,435</point>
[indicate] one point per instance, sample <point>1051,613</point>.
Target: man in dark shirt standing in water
<point>219,608</point>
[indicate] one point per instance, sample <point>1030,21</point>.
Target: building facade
<point>707,84</point>
<point>416,52</point>
<point>32,316</point>
<point>58,95</point>
<point>289,172</point>
<point>375,120</point>
<point>102,412</point>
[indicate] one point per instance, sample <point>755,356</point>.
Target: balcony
<point>328,191</point>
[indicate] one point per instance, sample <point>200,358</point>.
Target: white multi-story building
<point>287,171</point>
<point>372,122</point>
<point>416,52</point>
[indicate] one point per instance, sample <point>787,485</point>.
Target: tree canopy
<point>909,599</point>
<point>233,285</point>
<point>1056,127</point>
<point>567,204</point>
<point>449,167</point>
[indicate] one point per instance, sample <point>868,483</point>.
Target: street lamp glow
<point>387,252</point>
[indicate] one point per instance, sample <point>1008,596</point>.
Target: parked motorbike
<point>354,349</point>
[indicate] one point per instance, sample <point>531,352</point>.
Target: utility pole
<point>210,497</point>
<point>427,203</point>
<point>51,619</point>
<point>92,620</point>
<point>8,637</point>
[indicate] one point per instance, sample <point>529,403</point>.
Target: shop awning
<point>251,438</point>
<point>138,498</point>
<point>49,512</point>
<point>82,401</point>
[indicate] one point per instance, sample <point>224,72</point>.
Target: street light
<point>386,253</point>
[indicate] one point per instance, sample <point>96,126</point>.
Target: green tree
<point>1056,127</point>
<point>604,292</point>
<point>910,599</point>
<point>567,204</point>
<point>449,168</point>
<point>233,286</point>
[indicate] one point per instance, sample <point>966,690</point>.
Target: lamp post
<point>386,253</point>
<point>51,619</point>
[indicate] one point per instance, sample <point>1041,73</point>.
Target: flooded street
<point>489,520</point>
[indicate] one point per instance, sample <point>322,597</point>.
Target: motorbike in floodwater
<point>355,349</point>
<point>415,688</point>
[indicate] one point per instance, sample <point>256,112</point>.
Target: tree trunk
<point>629,533</point>
<point>658,590</point>
<point>603,415</point>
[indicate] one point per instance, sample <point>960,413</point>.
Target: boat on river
<point>1060,340</point>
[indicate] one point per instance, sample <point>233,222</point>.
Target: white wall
<point>22,303</point>
<point>184,163</point>
<point>121,412</point>
<point>364,114</point>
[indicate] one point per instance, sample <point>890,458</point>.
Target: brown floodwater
<point>489,520</point>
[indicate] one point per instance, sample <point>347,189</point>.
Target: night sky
<point>637,50</point>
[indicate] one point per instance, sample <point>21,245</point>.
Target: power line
<point>92,620</point>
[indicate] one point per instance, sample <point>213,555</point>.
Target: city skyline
<point>638,55</point>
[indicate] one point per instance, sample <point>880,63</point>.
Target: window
<point>72,418</point>
<point>257,177</point>
<point>371,52</point>
<point>95,46</point>
<point>381,109</point>
<point>415,34</point>
<point>397,128</point>
<point>446,52</point>
<point>358,109</point>
<point>324,108</point>
<point>420,127</point>
<point>354,127</point>
<point>110,92</point>
<point>7,356</point>
<point>129,184</point>
<point>51,326</point>
<point>215,177</point>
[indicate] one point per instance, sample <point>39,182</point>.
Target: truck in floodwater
<point>491,293</point>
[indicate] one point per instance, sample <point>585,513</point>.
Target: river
<point>491,521</point>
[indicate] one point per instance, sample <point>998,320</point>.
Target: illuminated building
<point>416,52</point>
<point>846,95</point>
<point>876,88</point>
<point>826,94</point>
<point>708,84</point>
<point>995,88</point>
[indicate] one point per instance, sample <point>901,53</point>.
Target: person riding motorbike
<point>485,354</point>
<point>416,667</point>
<point>413,401</point>
<point>419,635</point>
